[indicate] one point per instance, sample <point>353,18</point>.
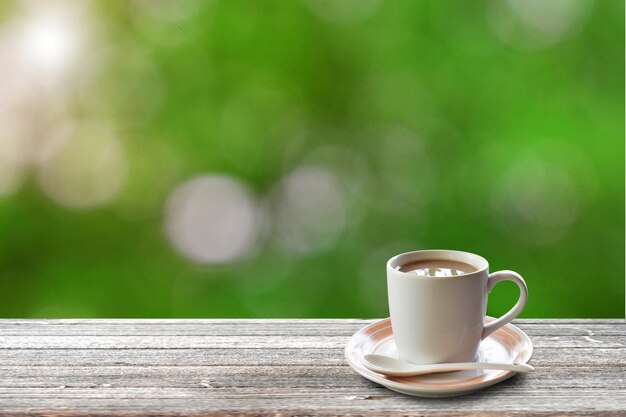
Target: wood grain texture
<point>279,367</point>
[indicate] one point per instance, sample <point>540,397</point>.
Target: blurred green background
<point>265,158</point>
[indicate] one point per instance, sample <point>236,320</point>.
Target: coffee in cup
<point>436,268</point>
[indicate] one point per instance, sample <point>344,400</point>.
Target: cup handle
<point>517,308</point>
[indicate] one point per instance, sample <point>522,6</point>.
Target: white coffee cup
<point>441,319</point>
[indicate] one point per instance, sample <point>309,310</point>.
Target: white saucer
<point>507,344</point>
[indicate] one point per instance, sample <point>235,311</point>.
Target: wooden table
<point>281,367</point>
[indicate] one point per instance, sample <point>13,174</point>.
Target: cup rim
<point>477,261</point>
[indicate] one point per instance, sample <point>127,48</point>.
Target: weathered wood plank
<point>250,342</point>
<point>269,377</point>
<point>289,402</point>
<point>270,357</point>
<point>287,367</point>
<point>279,328</point>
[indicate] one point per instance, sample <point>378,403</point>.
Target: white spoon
<point>387,365</point>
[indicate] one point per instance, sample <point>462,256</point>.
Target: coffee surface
<point>436,268</point>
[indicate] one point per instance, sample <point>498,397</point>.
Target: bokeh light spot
<point>89,171</point>
<point>212,219</point>
<point>536,23</point>
<point>51,37</point>
<point>351,170</point>
<point>309,210</point>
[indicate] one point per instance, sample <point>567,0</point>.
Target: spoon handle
<point>465,366</point>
